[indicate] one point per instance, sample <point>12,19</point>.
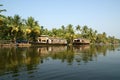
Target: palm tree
<point>21,30</point>
<point>70,33</point>
<point>94,36</point>
<point>2,10</point>
<point>41,30</point>
<point>104,37</point>
<point>78,28</point>
<point>31,23</point>
<point>2,22</point>
<point>84,32</point>
<point>104,34</point>
<point>90,34</point>
<point>63,27</point>
<point>16,25</point>
<point>33,28</point>
<point>54,32</point>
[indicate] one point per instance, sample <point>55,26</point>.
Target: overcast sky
<point>100,15</point>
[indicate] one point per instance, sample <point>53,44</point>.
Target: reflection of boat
<point>80,41</point>
<point>42,51</point>
<point>51,49</point>
<point>81,48</point>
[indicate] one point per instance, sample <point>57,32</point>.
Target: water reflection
<point>15,59</point>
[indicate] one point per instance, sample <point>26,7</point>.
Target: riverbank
<point>44,44</point>
<point>16,44</point>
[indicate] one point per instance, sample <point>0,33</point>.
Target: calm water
<point>60,63</point>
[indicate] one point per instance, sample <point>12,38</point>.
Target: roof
<point>43,35</point>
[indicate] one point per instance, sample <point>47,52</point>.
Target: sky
<point>100,15</point>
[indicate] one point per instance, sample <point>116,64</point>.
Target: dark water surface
<point>60,63</point>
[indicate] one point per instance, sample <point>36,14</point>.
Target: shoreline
<point>36,44</point>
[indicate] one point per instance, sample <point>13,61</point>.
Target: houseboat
<point>46,40</point>
<point>80,41</point>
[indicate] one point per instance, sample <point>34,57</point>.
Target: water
<point>60,63</point>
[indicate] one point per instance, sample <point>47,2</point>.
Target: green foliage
<point>15,28</point>
<point>2,10</point>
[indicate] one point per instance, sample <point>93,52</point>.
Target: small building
<point>80,41</point>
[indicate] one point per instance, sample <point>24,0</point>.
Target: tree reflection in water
<point>14,58</point>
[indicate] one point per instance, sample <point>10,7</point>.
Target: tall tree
<point>2,10</point>
<point>84,32</point>
<point>33,28</point>
<point>78,28</point>
<point>69,33</point>
<point>16,24</point>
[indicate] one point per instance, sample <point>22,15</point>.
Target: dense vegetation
<point>15,28</point>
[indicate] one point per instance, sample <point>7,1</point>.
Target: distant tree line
<point>15,28</point>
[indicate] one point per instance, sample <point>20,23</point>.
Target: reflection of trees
<point>84,53</point>
<point>88,53</point>
<point>112,47</point>
<point>12,59</point>
<point>66,55</point>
